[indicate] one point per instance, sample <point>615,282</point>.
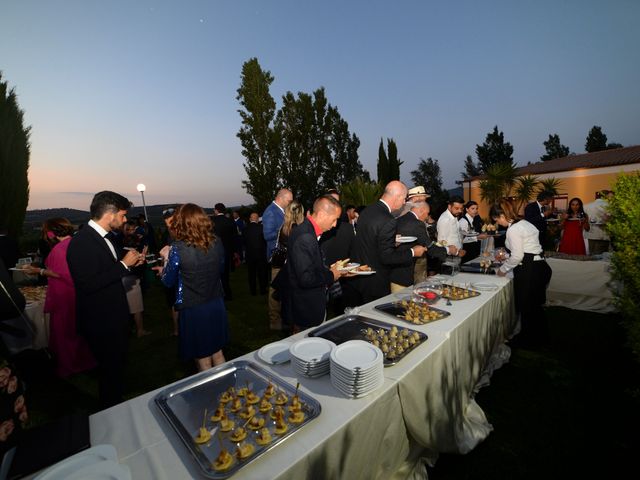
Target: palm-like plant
<point>550,185</point>
<point>525,188</point>
<point>500,179</point>
<point>360,192</point>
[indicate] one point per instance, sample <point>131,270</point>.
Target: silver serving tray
<point>183,406</point>
<point>354,327</point>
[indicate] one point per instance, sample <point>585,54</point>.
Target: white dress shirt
<point>103,233</point>
<point>467,227</point>
<point>449,229</point>
<point>522,237</point>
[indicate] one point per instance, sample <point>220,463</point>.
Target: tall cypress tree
<point>15,150</point>
<point>383,165</point>
<point>394,161</point>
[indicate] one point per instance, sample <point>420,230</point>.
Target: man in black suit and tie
<point>308,276</point>
<point>375,245</point>
<point>538,212</point>
<point>225,230</point>
<point>101,301</point>
<point>412,224</point>
<point>255,251</point>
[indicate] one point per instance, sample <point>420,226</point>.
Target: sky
<point>125,92</point>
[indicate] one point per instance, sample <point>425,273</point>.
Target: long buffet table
<point>424,407</point>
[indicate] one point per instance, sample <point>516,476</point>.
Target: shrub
<point>624,230</point>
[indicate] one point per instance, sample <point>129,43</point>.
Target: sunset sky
<point>123,92</point>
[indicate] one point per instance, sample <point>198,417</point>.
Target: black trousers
<point>110,352</point>
<point>225,277</point>
<point>530,284</point>
<point>258,271</point>
<point>472,249</point>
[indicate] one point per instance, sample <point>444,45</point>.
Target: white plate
<point>362,272</point>
<point>357,355</point>
<point>486,287</point>
<point>105,470</point>
<point>470,234</point>
<point>312,350</point>
<point>406,239</point>
<point>68,466</point>
<point>275,353</point>
<point>552,220</point>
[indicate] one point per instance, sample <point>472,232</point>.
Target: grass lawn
<point>567,409</point>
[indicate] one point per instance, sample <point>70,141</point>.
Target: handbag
<point>279,254</point>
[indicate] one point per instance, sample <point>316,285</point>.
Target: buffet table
<point>424,407</point>
<point>581,285</point>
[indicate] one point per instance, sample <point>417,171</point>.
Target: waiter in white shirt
<point>531,273</point>
<point>449,229</point>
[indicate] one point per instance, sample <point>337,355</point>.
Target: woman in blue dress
<point>193,264</point>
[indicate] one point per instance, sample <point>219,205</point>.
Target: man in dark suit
<point>225,230</point>
<point>102,308</point>
<point>256,254</point>
<point>411,224</point>
<point>538,212</point>
<point>308,277</point>
<point>375,245</point>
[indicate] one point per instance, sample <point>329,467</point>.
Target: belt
<point>538,258</point>
<point>533,257</point>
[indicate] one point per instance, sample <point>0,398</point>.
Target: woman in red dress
<point>574,223</point>
<point>71,353</point>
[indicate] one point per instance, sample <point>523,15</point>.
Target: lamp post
<point>141,188</point>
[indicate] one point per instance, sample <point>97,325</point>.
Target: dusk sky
<point>123,92</point>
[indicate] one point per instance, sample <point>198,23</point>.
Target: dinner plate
<point>105,470</point>
<point>68,466</point>
<point>486,287</point>
<point>470,234</point>
<point>357,355</point>
<point>362,272</point>
<point>552,220</point>
<point>312,350</point>
<point>348,267</point>
<point>275,353</point>
<point>17,269</point>
<point>406,239</point>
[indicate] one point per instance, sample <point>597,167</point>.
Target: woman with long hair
<point>574,223</point>
<point>70,351</point>
<point>531,273</point>
<point>193,265</point>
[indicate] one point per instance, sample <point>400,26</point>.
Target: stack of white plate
<point>310,356</point>
<point>356,368</point>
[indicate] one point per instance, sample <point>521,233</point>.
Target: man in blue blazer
<point>101,301</point>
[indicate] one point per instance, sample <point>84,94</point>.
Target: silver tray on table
<point>184,406</point>
<point>354,327</point>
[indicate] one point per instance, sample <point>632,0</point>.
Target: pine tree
<point>596,140</point>
<point>428,175</point>
<point>554,148</point>
<point>494,150</point>
<point>15,150</point>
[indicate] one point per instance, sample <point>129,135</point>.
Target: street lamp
<point>141,188</point>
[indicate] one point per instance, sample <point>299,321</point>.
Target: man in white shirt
<point>449,228</point>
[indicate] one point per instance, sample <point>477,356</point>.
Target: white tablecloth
<point>581,285</point>
<point>425,406</point>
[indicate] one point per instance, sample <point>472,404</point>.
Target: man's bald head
<point>284,197</point>
<point>395,194</point>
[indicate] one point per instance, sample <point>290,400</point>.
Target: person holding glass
<point>531,273</point>
<point>574,223</point>
<point>193,265</point>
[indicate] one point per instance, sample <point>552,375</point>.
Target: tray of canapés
<point>453,292</point>
<point>412,310</point>
<point>231,415</point>
<point>395,343</point>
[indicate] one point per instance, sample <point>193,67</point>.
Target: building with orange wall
<point>581,175</point>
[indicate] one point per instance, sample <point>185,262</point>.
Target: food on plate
<point>489,228</point>
<point>281,398</point>
<point>278,411</point>
<point>244,450</point>
<point>295,404</point>
<point>265,405</point>
<point>418,313</point>
<point>228,395</point>
<point>203,436</point>
<point>256,423</point>
<point>226,425</point>
<point>219,414</point>
<point>264,437</point>
<point>296,416</point>
<point>270,391</point>
<point>363,268</point>
<point>252,398</point>
<point>281,426</point>
<point>341,264</point>
<point>238,434</point>
<point>457,293</point>
<point>236,405</point>
<point>242,392</point>
<point>223,461</point>
<point>247,412</point>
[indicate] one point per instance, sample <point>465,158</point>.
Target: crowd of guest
<point>97,276</point>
